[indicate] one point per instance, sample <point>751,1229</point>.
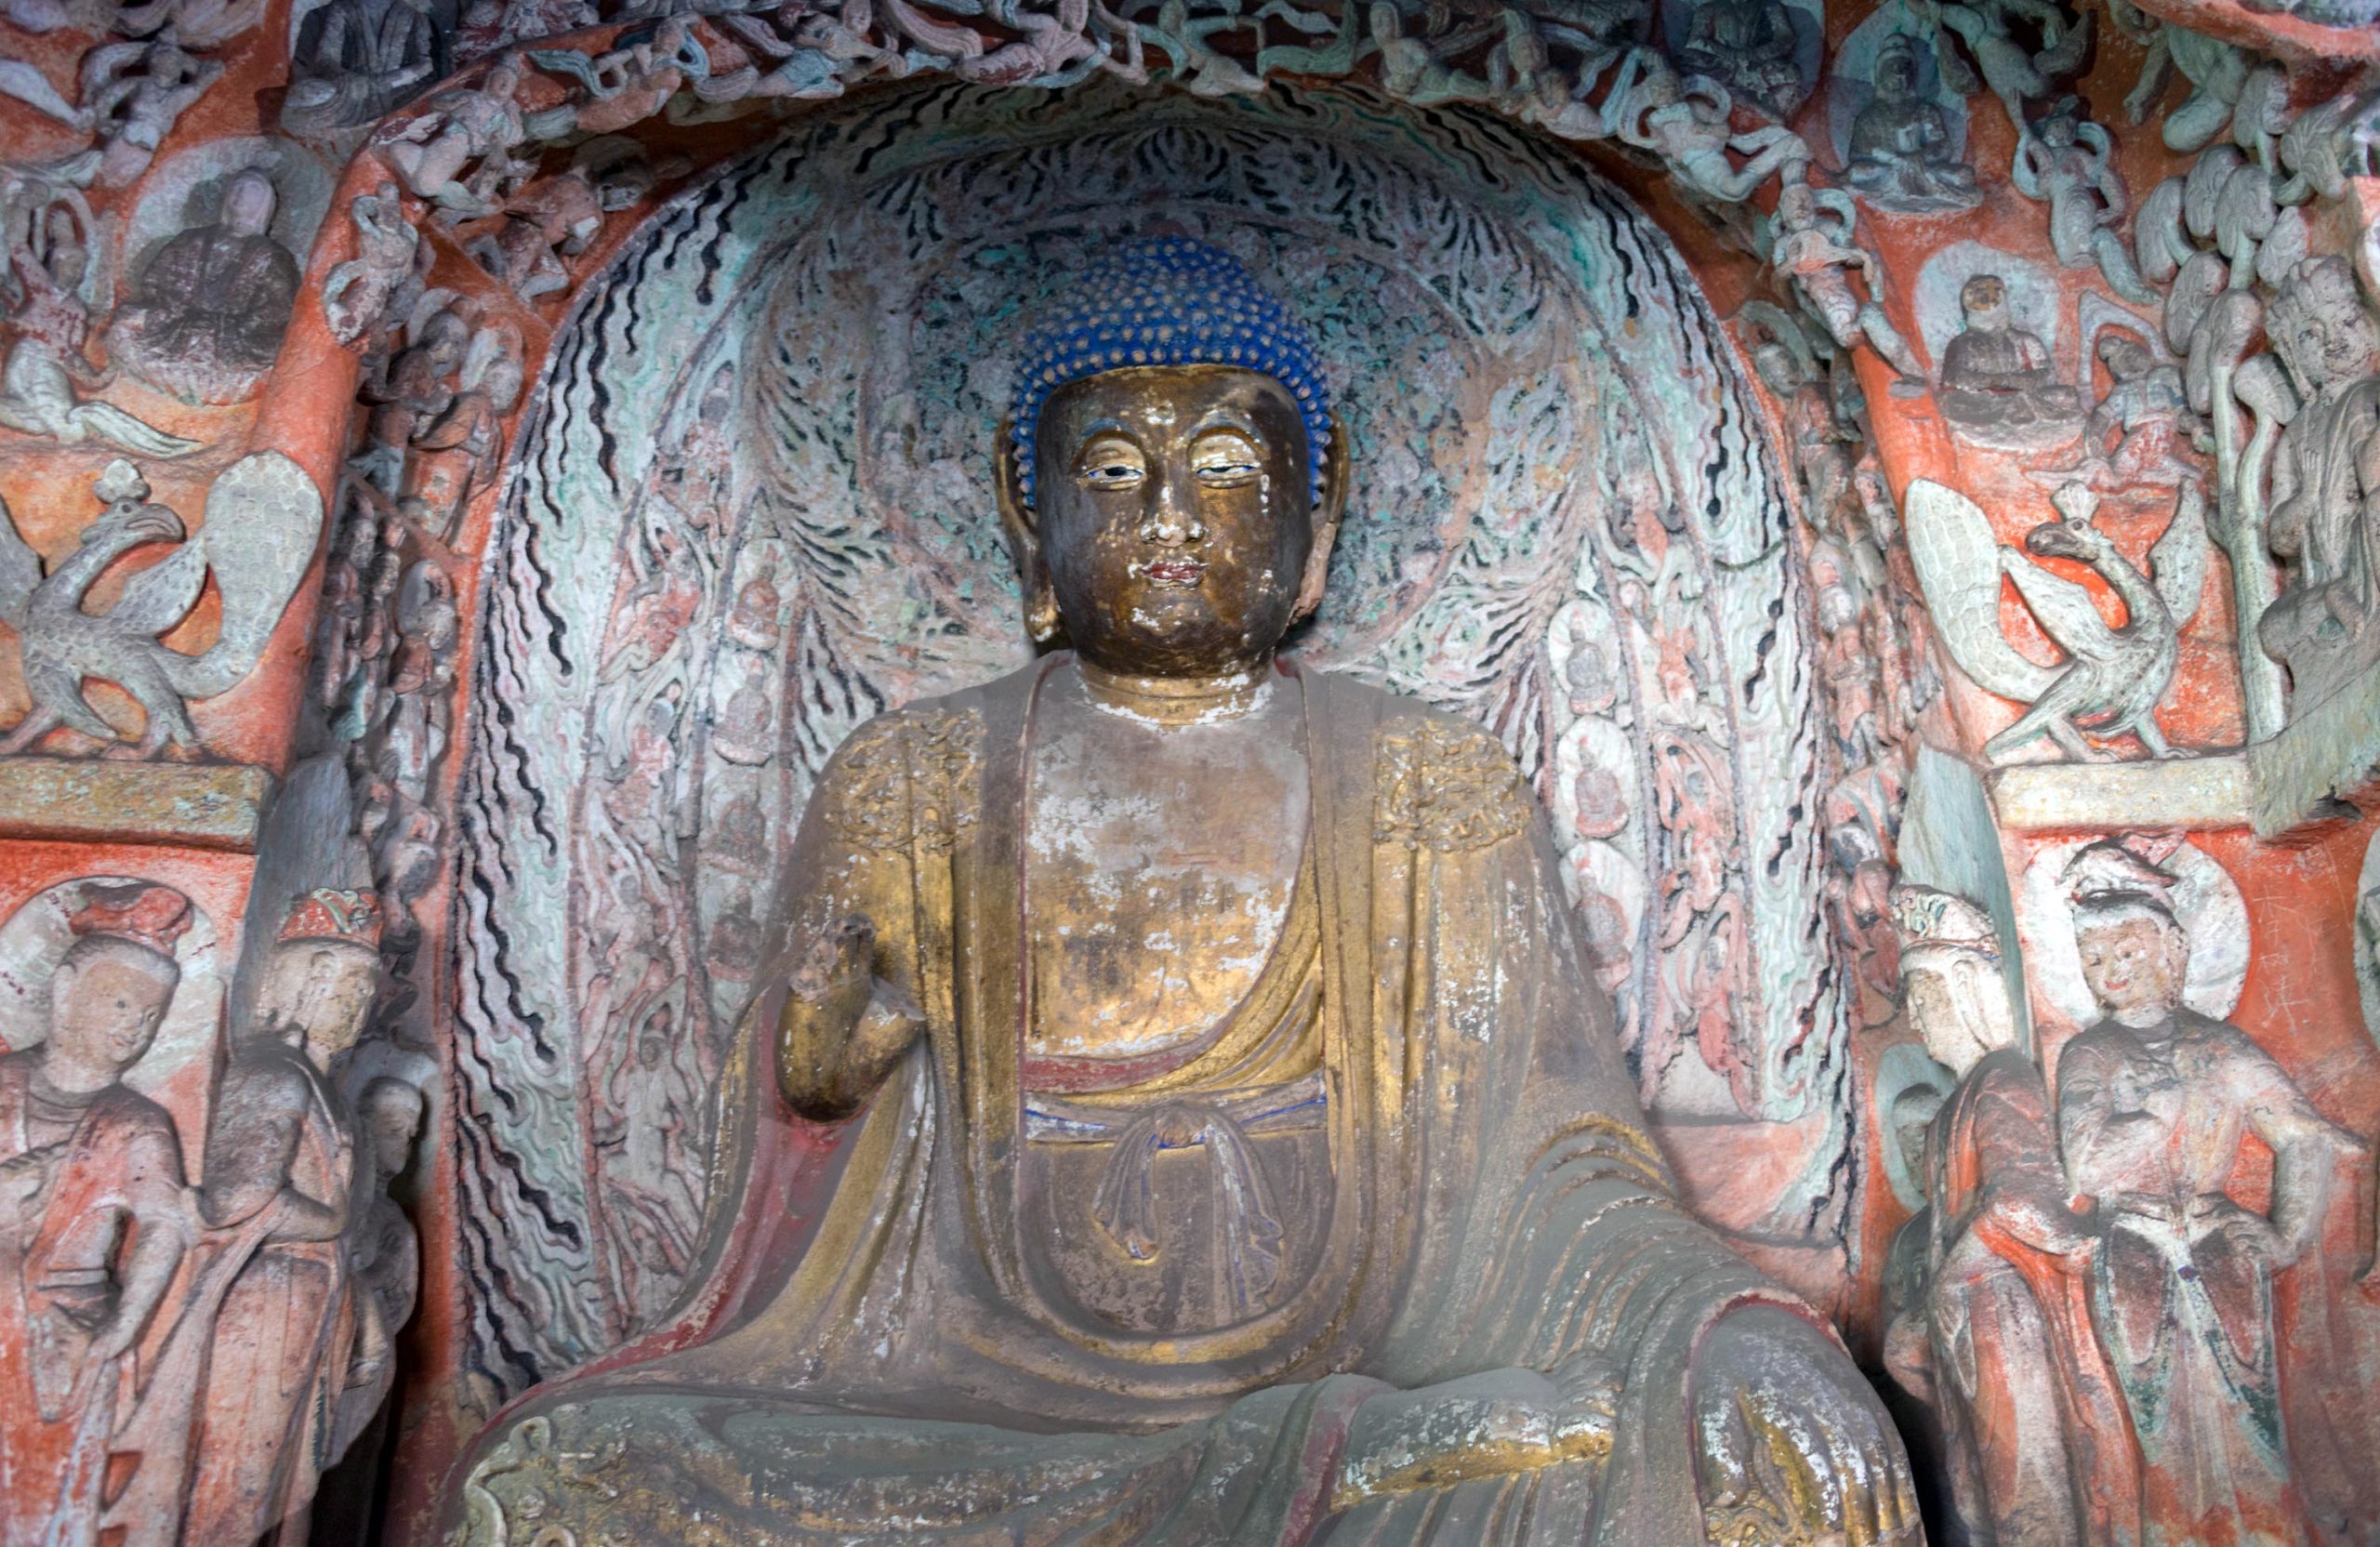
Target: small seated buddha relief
<point>1237,1146</point>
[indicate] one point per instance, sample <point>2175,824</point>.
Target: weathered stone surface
<point>2169,792</point>
<point>200,805</point>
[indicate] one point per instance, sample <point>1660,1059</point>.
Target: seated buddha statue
<point>1234,1144</point>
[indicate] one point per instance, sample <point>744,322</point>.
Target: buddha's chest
<point>1159,865</point>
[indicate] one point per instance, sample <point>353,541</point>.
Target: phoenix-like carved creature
<point>2114,677</point>
<point>263,516</point>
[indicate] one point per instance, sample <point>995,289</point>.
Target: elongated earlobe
<point>1041,619</point>
<point>1327,512</point>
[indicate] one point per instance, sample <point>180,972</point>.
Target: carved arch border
<point>326,358</point>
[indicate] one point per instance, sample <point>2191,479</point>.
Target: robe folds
<point>2040,1444</point>
<point>114,1180</point>
<point>1421,1153</point>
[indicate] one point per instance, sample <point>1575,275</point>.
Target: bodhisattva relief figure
<point>1999,384</point>
<point>1238,1144</point>
<point>1998,1340</point>
<point>2153,1103</point>
<point>2325,499</point>
<point>93,1212</point>
<point>281,1180</point>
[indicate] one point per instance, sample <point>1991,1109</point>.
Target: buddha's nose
<point>1173,520</point>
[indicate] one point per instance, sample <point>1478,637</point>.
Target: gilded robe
<point>1421,1154</point>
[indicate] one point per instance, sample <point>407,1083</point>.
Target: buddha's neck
<point>1177,700</point>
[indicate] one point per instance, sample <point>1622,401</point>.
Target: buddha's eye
<point>1222,458</point>
<point>1110,463</point>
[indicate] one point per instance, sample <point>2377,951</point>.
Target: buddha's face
<point>1175,516</point>
<point>1897,78</point>
<point>247,204</point>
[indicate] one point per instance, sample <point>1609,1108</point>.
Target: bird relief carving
<point>263,516</point>
<point>2112,677</point>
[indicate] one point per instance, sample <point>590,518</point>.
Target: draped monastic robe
<point>1419,1146</point>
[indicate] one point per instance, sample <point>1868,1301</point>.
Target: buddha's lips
<point>1176,572</point>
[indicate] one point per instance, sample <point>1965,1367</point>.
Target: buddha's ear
<point>1327,509</point>
<point>1023,538</point>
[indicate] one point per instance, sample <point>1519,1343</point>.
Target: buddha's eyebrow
<point>1107,427</point>
<point>1228,418</point>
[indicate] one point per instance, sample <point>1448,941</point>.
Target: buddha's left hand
<point>1794,1449</point>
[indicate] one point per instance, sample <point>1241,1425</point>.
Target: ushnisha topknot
<point>1167,300</point>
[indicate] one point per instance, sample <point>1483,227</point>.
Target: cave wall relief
<point>489,496</point>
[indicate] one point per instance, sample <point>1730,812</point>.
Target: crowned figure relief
<point>2155,1102</point>
<point>93,1221</point>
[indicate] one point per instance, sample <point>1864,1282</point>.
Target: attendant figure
<point>1998,1340</point>
<point>2325,626</point>
<point>2154,1101</point>
<point>281,1163</point>
<point>2147,415</point>
<point>93,1218</point>
<point>385,1254</point>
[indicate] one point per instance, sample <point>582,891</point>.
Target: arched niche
<point>751,508</point>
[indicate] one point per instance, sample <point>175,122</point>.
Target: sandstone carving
<point>263,517</point>
<point>375,287</point>
<point>1999,385</point>
<point>96,1222</point>
<point>211,305</point>
<point>45,364</point>
<point>1993,32</point>
<point>1813,247</point>
<point>2064,160</point>
<point>357,60</point>
<point>1750,47</point>
<point>2326,491</point>
<point>730,560</point>
<point>436,153</point>
<point>2139,431</point>
<point>1900,153</point>
<point>1998,1340</point>
<point>281,1199</point>
<point>133,94</point>
<point>2154,1101</point>
<point>1148,524</point>
<point>2113,678</point>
